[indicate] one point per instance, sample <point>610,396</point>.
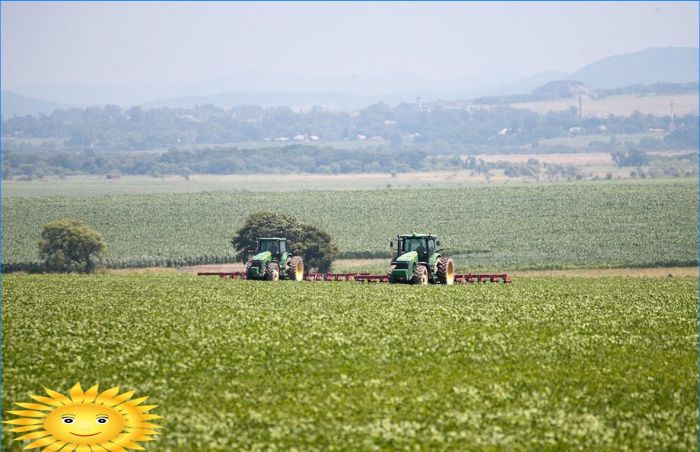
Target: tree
<point>632,157</point>
<point>311,243</point>
<point>69,245</point>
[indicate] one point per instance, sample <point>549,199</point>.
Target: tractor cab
<point>424,245</point>
<point>275,245</point>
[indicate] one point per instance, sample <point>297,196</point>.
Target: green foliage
<point>541,364</point>
<point>608,224</point>
<point>309,242</point>
<point>562,89</point>
<point>109,139</point>
<point>69,245</point>
<point>633,157</point>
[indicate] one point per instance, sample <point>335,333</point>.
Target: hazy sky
<point>138,43</point>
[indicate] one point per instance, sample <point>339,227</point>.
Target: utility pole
<point>579,108</point>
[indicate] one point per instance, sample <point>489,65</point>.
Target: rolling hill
<point>669,65</point>
<point>18,105</point>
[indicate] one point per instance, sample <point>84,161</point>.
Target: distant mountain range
<point>18,105</point>
<point>657,65</point>
<point>669,65</point>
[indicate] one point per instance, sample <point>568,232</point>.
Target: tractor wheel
<point>248,264</point>
<point>272,271</point>
<point>446,270</point>
<point>391,278</point>
<point>295,268</point>
<point>420,276</point>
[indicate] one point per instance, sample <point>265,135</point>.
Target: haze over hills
<point>18,105</point>
<point>671,65</point>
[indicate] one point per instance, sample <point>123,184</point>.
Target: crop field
<point>606,363</point>
<point>623,224</point>
<point>621,105</point>
<point>81,186</point>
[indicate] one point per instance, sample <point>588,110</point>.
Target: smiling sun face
<point>86,421</point>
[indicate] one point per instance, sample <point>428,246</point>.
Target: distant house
<point>112,176</point>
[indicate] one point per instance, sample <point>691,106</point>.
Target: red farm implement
<point>466,278</point>
<point>418,260</point>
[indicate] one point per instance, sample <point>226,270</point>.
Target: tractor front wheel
<point>421,275</point>
<point>446,270</point>
<point>295,268</point>
<point>272,271</point>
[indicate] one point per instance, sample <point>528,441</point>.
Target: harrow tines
<point>464,278</point>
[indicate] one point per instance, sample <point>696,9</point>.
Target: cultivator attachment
<point>466,278</point>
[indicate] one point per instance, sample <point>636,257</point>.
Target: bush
<point>69,245</point>
<point>632,157</point>
<point>311,243</point>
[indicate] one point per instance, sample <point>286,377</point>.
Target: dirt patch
<point>221,268</point>
<point>145,270</point>
<point>661,272</point>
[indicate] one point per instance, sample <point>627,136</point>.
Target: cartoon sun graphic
<point>85,422</point>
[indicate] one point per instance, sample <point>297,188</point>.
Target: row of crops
<point>546,363</point>
<point>538,226</point>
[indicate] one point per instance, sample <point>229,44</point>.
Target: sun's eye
<point>102,420</point>
<point>68,420</point>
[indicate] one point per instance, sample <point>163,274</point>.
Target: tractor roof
<point>418,235</point>
<point>272,238</point>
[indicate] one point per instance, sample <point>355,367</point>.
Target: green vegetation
<point>69,245</point>
<point>567,89</point>
<point>597,364</point>
<point>205,140</point>
<point>312,244</point>
<point>616,224</point>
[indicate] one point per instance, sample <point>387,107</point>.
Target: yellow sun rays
<point>40,422</point>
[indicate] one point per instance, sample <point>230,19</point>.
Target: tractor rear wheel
<point>295,268</point>
<point>272,271</point>
<point>446,270</point>
<point>420,276</point>
<point>248,264</point>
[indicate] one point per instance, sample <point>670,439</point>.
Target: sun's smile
<point>109,420</point>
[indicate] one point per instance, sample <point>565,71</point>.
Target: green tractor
<point>418,261</point>
<point>272,261</point>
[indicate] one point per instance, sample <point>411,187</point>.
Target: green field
<point>543,363</point>
<point>616,224</point>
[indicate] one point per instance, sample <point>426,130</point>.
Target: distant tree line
<point>288,159</point>
<point>434,130</point>
<point>378,138</point>
<point>296,158</point>
<point>654,88</point>
<point>565,89</point>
